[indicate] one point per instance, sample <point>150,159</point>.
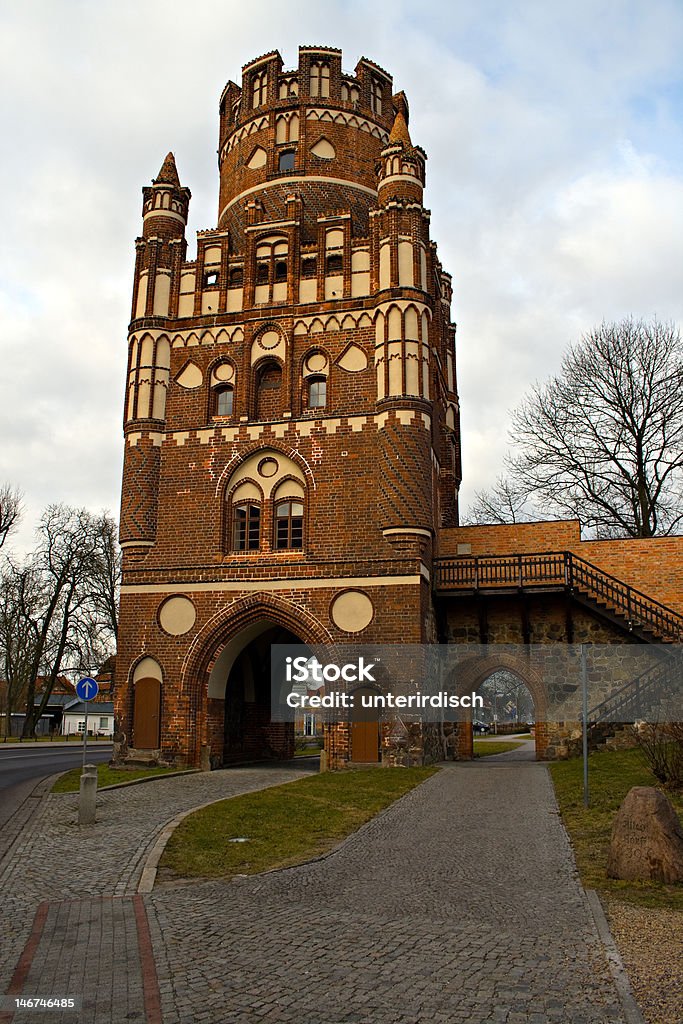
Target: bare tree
<point>603,440</point>
<point>106,581</point>
<point>661,744</point>
<point>506,502</point>
<point>17,637</point>
<point>58,607</point>
<point>10,510</point>
<point>508,697</point>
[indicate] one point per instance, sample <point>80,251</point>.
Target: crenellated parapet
<point>318,299</point>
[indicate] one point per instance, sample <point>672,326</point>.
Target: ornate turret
<point>402,168</point>
<point>165,203</point>
<point>162,248</point>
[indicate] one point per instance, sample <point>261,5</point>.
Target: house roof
<point>101,708</point>
<point>62,700</point>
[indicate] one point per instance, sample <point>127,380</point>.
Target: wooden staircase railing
<point>558,569</point>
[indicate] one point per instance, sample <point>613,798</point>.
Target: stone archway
<point>471,673</point>
<point>221,651</point>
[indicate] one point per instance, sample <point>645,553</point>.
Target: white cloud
<point>554,177</point>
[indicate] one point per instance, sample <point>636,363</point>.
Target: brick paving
<point>88,875</point>
<point>459,903</point>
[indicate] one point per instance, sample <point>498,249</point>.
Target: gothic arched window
<point>376,96</point>
<point>320,79</point>
<point>317,392</point>
<point>260,89</point>
<point>223,400</point>
<point>246,526</point>
<point>271,270</point>
<point>289,524</point>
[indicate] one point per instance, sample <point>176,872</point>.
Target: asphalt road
<point>38,760</point>
<point>22,768</point>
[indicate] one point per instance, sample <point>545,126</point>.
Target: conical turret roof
<point>399,131</point>
<point>168,175</point>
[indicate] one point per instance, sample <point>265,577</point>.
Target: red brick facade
<point>292,440</point>
<point>652,565</point>
<point>321,272</point>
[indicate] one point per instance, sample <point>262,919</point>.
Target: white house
<point>100,719</point>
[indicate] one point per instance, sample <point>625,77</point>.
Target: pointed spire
<point>399,131</point>
<point>168,175</point>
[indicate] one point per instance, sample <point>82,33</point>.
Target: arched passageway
<point>524,689</point>
<point>248,732</point>
<point>227,679</point>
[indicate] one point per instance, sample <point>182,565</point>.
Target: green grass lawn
<point>484,748</point>
<point>106,776</point>
<point>284,825</point>
<point>611,775</point>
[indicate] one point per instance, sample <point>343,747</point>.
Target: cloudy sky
<point>555,179</point>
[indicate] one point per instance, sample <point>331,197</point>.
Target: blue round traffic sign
<point>87,688</point>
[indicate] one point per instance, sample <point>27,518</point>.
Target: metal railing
<point>561,569</point>
<point>636,699</point>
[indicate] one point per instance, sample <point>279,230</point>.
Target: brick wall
<point>654,566</point>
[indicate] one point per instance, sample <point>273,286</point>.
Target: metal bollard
<point>87,795</point>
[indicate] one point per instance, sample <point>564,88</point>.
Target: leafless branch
<point>10,510</point>
<point>602,441</point>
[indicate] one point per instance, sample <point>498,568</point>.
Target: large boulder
<point>647,839</point>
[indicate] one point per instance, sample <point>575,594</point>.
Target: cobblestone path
<point>69,892</point>
<point>460,903</point>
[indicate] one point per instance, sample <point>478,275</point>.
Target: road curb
<point>15,824</point>
<point>131,782</point>
<point>149,871</point>
<point>616,965</point>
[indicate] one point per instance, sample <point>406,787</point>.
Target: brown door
<point>364,741</point>
<point>147,714</point>
<point>364,731</point>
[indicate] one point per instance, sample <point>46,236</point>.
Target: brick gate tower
<point>291,419</point>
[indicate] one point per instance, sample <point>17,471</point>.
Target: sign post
<point>87,689</point>
<point>584,723</point>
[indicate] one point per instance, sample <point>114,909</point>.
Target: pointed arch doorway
<point>471,677</point>
<point>240,697</point>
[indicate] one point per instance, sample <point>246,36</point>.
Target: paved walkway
<point>525,752</point>
<point>458,904</point>
<point>67,895</point>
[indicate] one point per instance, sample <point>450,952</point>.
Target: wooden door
<point>365,741</point>
<point>364,730</point>
<point>147,717</point>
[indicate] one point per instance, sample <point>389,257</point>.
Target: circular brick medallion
<point>270,339</point>
<point>224,371</point>
<point>177,615</point>
<point>352,611</point>
<point>268,467</point>
<point>316,362</point>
